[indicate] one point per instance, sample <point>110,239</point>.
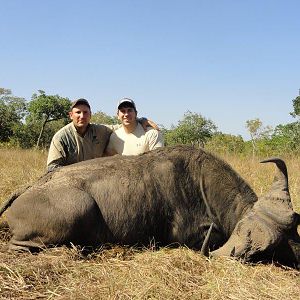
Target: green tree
<point>257,132</point>
<point>296,106</point>
<point>26,135</point>
<point>192,129</point>
<point>226,143</point>
<point>287,137</point>
<point>12,111</point>
<point>47,108</point>
<point>102,118</point>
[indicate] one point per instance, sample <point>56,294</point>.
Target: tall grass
<point>18,168</point>
<point>128,273</point>
<point>260,176</point>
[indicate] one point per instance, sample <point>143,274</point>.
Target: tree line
<point>28,124</point>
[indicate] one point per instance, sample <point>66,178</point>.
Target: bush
<point>226,143</point>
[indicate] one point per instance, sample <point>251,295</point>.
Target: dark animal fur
<point>158,195</point>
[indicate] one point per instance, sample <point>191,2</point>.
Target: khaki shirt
<point>68,147</point>
<point>137,142</point>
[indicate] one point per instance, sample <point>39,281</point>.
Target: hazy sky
<point>227,60</point>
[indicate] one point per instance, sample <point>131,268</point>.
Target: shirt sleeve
<point>111,149</point>
<point>155,139</point>
<point>56,155</point>
<point>113,127</point>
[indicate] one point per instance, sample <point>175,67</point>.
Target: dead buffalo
<point>171,195</point>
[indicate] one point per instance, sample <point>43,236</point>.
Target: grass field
<point>128,273</point>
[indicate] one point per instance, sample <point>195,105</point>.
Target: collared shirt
<point>137,142</point>
<point>68,147</point>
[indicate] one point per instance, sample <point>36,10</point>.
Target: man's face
<point>127,115</point>
<point>80,115</point>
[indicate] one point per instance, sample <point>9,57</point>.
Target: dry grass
<point>127,273</point>
<point>19,167</point>
<point>260,176</point>
<point>122,273</point>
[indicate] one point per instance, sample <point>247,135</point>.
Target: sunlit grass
<point>20,167</point>
<point>128,273</point>
<point>260,176</point>
<point>122,273</point>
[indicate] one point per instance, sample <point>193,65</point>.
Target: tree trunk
<point>41,132</point>
<point>253,146</point>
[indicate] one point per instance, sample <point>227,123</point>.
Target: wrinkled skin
<point>171,195</point>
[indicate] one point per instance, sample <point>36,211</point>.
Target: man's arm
<point>56,155</point>
<point>110,149</point>
<point>155,139</point>
<point>109,152</point>
<point>143,121</point>
<point>147,123</point>
<point>113,127</point>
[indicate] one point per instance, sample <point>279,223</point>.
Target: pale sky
<point>228,60</point>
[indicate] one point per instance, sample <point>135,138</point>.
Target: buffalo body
<point>171,195</point>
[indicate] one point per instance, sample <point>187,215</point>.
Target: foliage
<point>226,143</point>
<point>12,111</point>
<point>46,108</point>
<point>257,132</point>
<point>287,137</point>
<point>296,106</point>
<point>24,124</point>
<point>102,118</point>
<point>192,129</point>
<point>26,135</point>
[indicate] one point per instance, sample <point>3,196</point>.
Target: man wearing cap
<point>131,138</point>
<point>80,140</point>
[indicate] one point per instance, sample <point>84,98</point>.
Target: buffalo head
<point>268,230</point>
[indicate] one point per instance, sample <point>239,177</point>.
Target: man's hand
<point>146,123</point>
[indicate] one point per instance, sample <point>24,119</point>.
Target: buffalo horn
<point>205,245</point>
<point>279,187</point>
